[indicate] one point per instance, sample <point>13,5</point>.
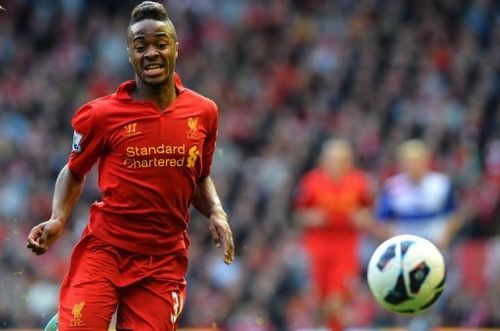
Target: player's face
<point>152,50</point>
<point>338,160</point>
<point>415,165</point>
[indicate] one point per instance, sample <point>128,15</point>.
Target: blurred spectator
<point>332,206</point>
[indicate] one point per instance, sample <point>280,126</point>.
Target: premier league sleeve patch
<point>75,147</point>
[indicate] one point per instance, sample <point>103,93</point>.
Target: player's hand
<point>311,218</point>
<point>43,235</point>
<point>362,219</point>
<point>222,235</point>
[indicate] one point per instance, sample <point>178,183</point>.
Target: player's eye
<point>139,49</point>
<point>162,45</point>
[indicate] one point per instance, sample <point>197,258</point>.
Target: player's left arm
<point>455,223</point>
<point>362,217</point>
<point>207,201</point>
<point>384,215</point>
<point>456,219</point>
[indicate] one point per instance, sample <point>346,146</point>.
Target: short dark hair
<point>149,10</point>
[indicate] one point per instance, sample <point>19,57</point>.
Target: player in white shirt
<point>417,200</point>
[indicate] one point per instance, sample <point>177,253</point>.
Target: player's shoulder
<point>401,180</point>
<point>438,178</point>
<point>97,105</point>
<point>359,175</point>
<point>91,112</point>
<point>395,181</point>
<point>114,101</point>
<point>437,175</point>
<point>313,175</point>
<point>107,105</point>
<point>201,101</point>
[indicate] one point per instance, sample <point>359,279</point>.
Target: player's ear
<point>128,52</point>
<point>176,49</point>
<point>128,45</point>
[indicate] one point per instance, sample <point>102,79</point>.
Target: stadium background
<point>286,75</point>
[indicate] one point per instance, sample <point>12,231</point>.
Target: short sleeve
<point>366,192</point>
<point>88,140</point>
<point>209,144</point>
<point>383,208</point>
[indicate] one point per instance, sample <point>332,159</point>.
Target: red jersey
<point>338,199</point>
<point>149,165</point>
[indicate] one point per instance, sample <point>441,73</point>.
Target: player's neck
<point>162,95</point>
<point>416,178</point>
<point>336,175</point>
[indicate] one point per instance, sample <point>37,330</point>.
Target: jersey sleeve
<point>209,144</point>
<point>88,140</point>
<point>366,192</point>
<point>383,208</point>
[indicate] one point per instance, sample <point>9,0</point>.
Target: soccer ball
<point>406,274</point>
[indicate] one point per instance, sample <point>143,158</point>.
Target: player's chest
<point>336,197</point>
<point>153,133</point>
<point>414,198</point>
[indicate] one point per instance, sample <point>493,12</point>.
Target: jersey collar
<point>123,92</point>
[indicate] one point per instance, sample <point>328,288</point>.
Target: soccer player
<point>417,200</point>
<point>332,205</point>
<point>154,140</point>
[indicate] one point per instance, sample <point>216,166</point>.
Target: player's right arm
<point>89,141</point>
<point>310,217</point>
<point>66,194</point>
<point>385,215</point>
<point>307,214</point>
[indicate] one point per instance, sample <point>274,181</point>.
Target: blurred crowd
<point>287,75</point>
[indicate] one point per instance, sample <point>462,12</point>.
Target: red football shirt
<point>149,164</point>
<point>338,199</point>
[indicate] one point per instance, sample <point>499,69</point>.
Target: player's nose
<point>151,52</point>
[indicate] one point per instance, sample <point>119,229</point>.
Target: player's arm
<point>207,202</point>
<point>89,141</point>
<point>309,217</point>
<point>307,214</point>
<point>363,216</point>
<point>385,215</point>
<point>456,220</point>
<point>382,229</point>
<point>67,191</point>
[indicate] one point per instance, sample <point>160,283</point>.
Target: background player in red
<point>154,141</point>
<point>333,206</point>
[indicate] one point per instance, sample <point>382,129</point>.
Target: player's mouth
<point>153,69</point>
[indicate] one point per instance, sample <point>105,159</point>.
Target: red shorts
<point>334,270</point>
<point>147,291</point>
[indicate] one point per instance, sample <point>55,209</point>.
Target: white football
<point>406,274</point>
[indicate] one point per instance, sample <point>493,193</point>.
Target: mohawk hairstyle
<point>148,10</point>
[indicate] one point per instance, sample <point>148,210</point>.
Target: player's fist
<point>222,235</point>
<point>43,235</point>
